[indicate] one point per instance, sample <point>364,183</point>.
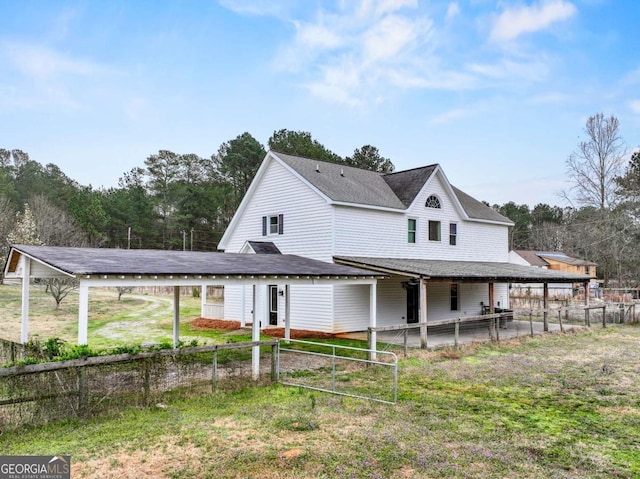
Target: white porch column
<point>373,318</point>
<point>255,336</point>
<point>83,315</point>
<point>423,313</point>
<point>203,299</point>
<point>243,306</point>
<point>26,279</point>
<point>287,312</point>
<point>176,316</point>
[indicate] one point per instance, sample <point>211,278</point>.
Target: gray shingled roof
<point>344,183</point>
<point>104,261</point>
<point>463,270</point>
<point>392,190</point>
<point>531,257</point>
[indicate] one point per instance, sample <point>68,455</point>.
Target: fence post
<point>369,345</point>
<point>406,342</point>
<point>82,391</point>
<point>531,321</point>
<point>146,380</point>
<point>587,318</point>
<point>274,362</point>
<point>560,320</point>
<point>604,317</point>
<point>497,328</point>
<point>214,372</point>
<point>456,333</point>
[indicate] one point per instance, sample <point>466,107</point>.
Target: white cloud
<point>268,8</point>
<point>530,70</point>
<point>40,62</point>
<point>378,8</point>
<point>517,20</point>
<point>451,116</point>
<point>635,106</point>
<point>453,10</point>
<point>549,98</point>
<point>390,37</point>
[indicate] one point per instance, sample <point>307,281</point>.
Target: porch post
<point>492,323</point>
<point>83,315</point>
<point>203,300</point>
<point>586,294</point>
<point>545,296</point>
<point>287,312</point>
<point>26,279</point>
<point>255,336</point>
<point>423,313</point>
<point>243,306</point>
<point>176,316</point>
<point>373,318</point>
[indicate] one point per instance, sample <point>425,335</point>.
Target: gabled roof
<point>396,190</point>
<point>344,183</point>
<point>538,258</point>
<point>78,262</point>
<point>563,258</point>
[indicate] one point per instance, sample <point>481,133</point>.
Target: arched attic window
<point>433,202</point>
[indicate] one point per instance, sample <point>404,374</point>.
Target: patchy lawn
<point>555,406</point>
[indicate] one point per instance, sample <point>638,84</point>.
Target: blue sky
<point>497,92</point>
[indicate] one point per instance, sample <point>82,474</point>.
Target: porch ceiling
<point>466,271</point>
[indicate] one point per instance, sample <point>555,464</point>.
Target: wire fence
<point>40,393</point>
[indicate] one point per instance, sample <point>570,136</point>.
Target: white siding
<point>312,307</point>
<point>307,216</point>
<point>351,307</point>
<point>363,232</point>
<point>392,301</point>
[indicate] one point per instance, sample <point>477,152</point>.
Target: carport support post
<point>492,322</point>
<point>83,314</point>
<point>203,299</point>
<point>255,336</point>
<point>423,313</point>
<point>26,278</point>
<point>176,316</point>
<point>372,320</point>
<point>545,298</point>
<point>287,313</point>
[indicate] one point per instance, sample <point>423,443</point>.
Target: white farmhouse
<point>445,253</point>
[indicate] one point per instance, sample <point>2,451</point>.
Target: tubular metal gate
<point>359,373</point>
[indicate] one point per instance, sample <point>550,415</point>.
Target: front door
<point>413,301</point>
<point>273,305</point>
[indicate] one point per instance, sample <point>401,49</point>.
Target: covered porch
<point>438,291</point>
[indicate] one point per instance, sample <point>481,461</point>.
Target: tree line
<point>174,201</point>
<point>183,201</point>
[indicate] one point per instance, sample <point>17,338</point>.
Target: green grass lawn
<point>137,318</point>
<point>554,406</point>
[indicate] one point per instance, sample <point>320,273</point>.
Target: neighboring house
<point>552,260</point>
<point>445,253</point>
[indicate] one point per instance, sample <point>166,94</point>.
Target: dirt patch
<point>203,323</point>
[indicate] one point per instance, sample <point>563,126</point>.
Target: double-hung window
<point>453,234</point>
<point>272,225</point>
<point>411,230</point>
<point>434,230</point>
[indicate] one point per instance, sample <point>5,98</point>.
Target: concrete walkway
<point>441,336</point>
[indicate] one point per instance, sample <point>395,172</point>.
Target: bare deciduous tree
<point>596,162</point>
<point>55,227</point>
<point>59,288</point>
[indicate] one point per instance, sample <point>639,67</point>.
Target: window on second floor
<point>434,230</point>
<point>433,202</point>
<point>272,225</point>
<point>453,234</point>
<point>411,230</point>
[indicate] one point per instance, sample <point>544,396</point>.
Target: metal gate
<point>346,371</point>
